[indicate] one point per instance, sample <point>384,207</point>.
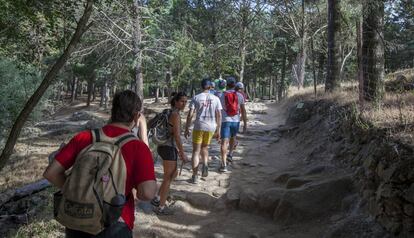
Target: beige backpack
<point>93,195</point>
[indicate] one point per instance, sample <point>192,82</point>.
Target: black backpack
<point>159,128</point>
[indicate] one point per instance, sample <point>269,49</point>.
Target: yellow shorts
<point>202,137</point>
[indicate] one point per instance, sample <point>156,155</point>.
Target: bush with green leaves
<point>18,82</point>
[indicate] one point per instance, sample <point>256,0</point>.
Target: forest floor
<point>271,190</point>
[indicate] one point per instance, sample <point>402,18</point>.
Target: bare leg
<point>204,154</point>
<point>196,157</point>
<point>170,170</point>
<point>224,145</point>
<point>231,146</point>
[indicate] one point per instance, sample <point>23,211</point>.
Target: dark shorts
<point>167,152</point>
<point>118,229</point>
<point>229,129</point>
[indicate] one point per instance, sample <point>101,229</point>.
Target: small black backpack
<point>159,128</point>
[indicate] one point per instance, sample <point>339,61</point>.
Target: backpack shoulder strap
<point>96,135</point>
<point>122,140</point>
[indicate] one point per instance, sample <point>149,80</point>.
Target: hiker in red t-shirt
<point>138,160</point>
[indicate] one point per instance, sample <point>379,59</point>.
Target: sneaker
<point>155,202</point>
<point>165,211</point>
<point>204,172</point>
<point>229,158</point>
<point>223,169</point>
<point>193,179</point>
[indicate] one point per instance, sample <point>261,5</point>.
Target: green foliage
<point>18,81</point>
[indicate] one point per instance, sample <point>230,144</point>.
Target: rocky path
<point>282,183</point>
<point>224,204</point>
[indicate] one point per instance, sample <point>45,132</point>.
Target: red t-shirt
<point>138,161</point>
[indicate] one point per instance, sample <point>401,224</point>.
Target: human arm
<point>175,122</point>
<point>244,117</point>
<point>147,190</point>
<point>143,132</point>
<point>55,174</point>
<point>188,122</point>
<point>65,158</point>
<point>143,170</point>
<point>218,122</point>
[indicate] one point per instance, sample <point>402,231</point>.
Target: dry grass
<point>395,113</point>
<point>408,73</point>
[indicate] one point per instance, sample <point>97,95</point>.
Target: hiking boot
<point>223,169</point>
<point>204,172</point>
<point>155,202</point>
<point>229,158</point>
<point>165,211</point>
<point>193,179</point>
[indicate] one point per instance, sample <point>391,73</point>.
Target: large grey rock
<point>314,201</point>
<point>269,200</point>
<point>409,194</point>
<point>201,200</point>
<point>318,169</point>
<point>357,226</point>
<point>283,178</point>
<point>300,113</point>
<point>81,116</point>
<point>233,197</point>
<point>296,182</point>
<point>248,200</point>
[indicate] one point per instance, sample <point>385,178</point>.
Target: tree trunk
<point>168,79</point>
<point>334,46</point>
<point>282,76</point>
<point>373,49</point>
<point>301,59</point>
<point>91,85</point>
<point>242,55</point>
<point>313,67</point>
<point>103,90</point>
<point>360,75</point>
<point>321,66</point>
<point>74,88</point>
<point>47,80</point>
<point>157,93</point>
<point>79,89</point>
<point>94,92</point>
<point>137,39</point>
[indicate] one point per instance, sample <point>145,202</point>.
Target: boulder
<point>233,197</point>
<point>81,116</point>
<point>300,113</point>
<point>314,201</point>
<point>269,200</point>
<point>356,226</point>
<point>409,194</point>
<point>318,169</point>
<point>283,178</point>
<point>201,200</point>
<point>296,182</point>
<point>248,200</point>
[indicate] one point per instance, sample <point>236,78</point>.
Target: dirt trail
<point>203,210</point>
<point>279,185</point>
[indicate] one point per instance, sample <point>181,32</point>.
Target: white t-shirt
<point>235,118</point>
<point>205,105</point>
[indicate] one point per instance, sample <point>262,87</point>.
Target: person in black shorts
<point>170,152</point>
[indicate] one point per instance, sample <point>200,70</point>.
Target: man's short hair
<point>231,82</point>
<point>206,83</point>
<point>124,106</point>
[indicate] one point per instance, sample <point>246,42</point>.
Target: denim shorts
<point>229,129</point>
